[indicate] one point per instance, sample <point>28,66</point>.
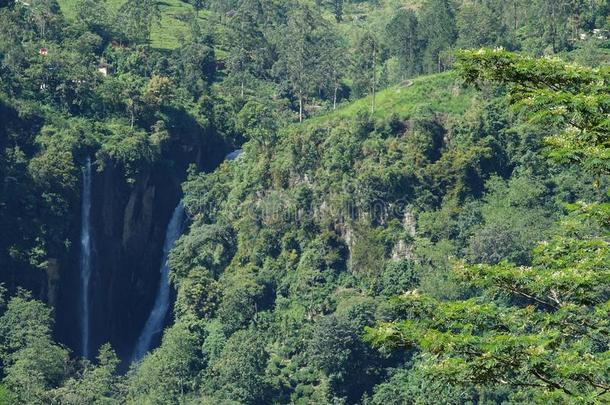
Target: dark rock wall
<point>128,229</point>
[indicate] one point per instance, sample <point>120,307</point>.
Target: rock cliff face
<point>128,228</point>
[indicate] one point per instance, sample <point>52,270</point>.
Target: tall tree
<point>136,17</point>
<point>437,19</point>
<point>402,34</point>
<point>94,14</point>
<point>250,52</point>
<point>480,25</point>
<point>338,9</point>
<point>333,63</point>
<point>197,60</point>
<point>197,6</point>
<point>43,14</point>
<point>366,58</point>
<point>301,54</point>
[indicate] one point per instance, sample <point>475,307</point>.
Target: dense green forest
<point>416,209</point>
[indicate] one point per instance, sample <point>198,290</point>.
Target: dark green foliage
<point>295,247</point>
<point>348,363</point>
<point>399,276</point>
<point>239,369</point>
<point>337,6</point>
<point>402,32</point>
<point>438,33</point>
<point>197,61</point>
<point>481,25</point>
<point>303,48</point>
<point>365,64</point>
<point>95,384</point>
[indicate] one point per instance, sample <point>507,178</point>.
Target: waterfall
<point>85,257</point>
<point>154,323</point>
<point>234,155</point>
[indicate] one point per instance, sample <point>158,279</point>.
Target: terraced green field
<point>165,34</point>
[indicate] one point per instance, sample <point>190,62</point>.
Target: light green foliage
<point>412,386</point>
<point>533,345</point>
<point>6,396</point>
<point>23,321</point>
<point>168,374</point>
<point>256,122</point>
<point>399,276</point>
<point>199,295</point>
<point>208,247</point>
<point>540,329</point>
<point>403,100</point>
<point>165,34</point>
<point>572,96</point>
<point>127,146</point>
<point>54,168</point>
<point>32,362</point>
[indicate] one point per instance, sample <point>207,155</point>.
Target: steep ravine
<point>128,224</point>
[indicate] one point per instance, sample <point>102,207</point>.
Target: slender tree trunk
<point>242,88</point>
<point>515,13</point>
<point>335,96</point>
<point>553,26</point>
<point>374,77</point>
<point>411,57</point>
<point>300,106</point>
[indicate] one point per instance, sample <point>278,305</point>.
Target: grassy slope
<point>441,93</point>
<point>165,34</point>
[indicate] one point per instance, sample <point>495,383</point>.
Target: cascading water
<point>85,257</point>
<point>154,323</point>
<point>234,155</point>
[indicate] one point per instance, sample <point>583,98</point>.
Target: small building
<point>43,51</point>
<point>600,33</point>
<point>103,69</point>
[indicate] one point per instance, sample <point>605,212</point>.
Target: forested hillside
<point>330,201</point>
